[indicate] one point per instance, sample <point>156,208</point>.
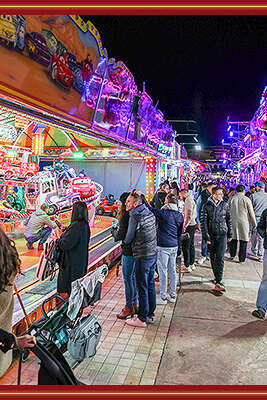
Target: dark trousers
<point>145,283</point>
<point>217,249</point>
<point>242,249</point>
<point>188,246</point>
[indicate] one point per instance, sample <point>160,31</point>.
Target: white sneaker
<point>171,299</point>
<point>185,269</point>
<point>192,267</point>
<point>161,301</point>
<point>201,260</point>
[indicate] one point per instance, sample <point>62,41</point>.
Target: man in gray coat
<point>259,202</point>
<point>242,214</point>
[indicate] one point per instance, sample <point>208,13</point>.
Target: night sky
<point>204,68</point>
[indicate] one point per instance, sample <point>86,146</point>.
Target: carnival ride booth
<point>70,109</point>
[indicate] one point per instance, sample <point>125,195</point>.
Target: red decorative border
<point>139,7</point>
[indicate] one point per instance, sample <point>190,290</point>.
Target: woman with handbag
<point>74,243</point>
<point>9,268</point>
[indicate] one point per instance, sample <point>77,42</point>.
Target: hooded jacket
<point>142,232</point>
<point>169,225</point>
<point>36,222</point>
<point>215,220</point>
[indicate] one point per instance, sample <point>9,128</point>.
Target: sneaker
<point>208,258</point>
<point>219,287</point>
<point>136,322</point>
<point>185,269</point>
<point>202,260</point>
<point>161,301</point>
<point>260,259</point>
<point>253,252</point>
<point>258,314</point>
<point>171,299</point>
<point>29,246</point>
<point>231,258</point>
<point>193,267</point>
<point>150,320</point>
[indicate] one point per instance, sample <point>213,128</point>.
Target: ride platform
<point>102,250</point>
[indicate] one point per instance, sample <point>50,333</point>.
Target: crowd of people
<point>153,236</point>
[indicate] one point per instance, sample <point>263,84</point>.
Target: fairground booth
<point>73,125</point>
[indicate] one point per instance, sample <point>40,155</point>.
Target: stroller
<point>54,330</point>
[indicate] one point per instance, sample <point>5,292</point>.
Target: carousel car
<point>85,186</point>
<point>20,170</point>
<point>108,206</point>
<point>6,210</point>
<point>60,70</point>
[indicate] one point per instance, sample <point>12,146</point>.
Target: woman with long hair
<point>128,267</point>
<point>74,242</point>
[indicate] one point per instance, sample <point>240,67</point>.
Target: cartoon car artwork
<point>87,68</point>
<point>20,170</point>
<point>8,33</point>
<point>20,34</point>
<point>85,186</point>
<point>60,70</point>
<point>7,211</point>
<point>37,48</point>
<point>78,81</point>
<point>50,39</point>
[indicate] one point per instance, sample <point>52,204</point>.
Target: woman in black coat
<point>74,242</point>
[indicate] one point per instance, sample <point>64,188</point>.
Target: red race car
<point>60,70</point>
<point>109,206</point>
<point>85,186</point>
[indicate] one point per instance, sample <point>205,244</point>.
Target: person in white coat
<point>242,214</point>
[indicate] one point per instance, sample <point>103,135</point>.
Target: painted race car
<point>8,30</point>
<point>77,73</point>
<point>60,70</point>
<point>37,48</point>
<point>85,186</point>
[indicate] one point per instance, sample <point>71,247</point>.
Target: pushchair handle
<point>55,296</point>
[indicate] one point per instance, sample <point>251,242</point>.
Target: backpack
<point>48,262</point>
<point>84,338</point>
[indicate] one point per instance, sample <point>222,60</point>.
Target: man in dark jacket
<point>201,201</point>
<point>142,235</point>
<point>262,293</point>
<point>170,226</point>
<point>128,264</point>
<point>216,229</point>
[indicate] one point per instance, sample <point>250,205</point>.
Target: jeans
<point>145,269</point>
<point>204,248</point>
<point>167,266</point>
<point>262,292</point>
<point>42,235</point>
<point>217,249</point>
<point>189,246</point>
<point>128,273</point>
<point>242,249</point>
<point>257,242</point>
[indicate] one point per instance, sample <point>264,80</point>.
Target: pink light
<point>224,155</point>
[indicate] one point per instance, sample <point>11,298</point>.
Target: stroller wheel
<point>25,355</point>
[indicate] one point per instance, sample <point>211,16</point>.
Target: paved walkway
<point>202,339</point>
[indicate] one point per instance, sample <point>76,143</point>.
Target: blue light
<point>229,127</point>
<point>231,133</point>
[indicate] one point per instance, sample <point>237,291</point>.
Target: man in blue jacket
<point>142,235</point>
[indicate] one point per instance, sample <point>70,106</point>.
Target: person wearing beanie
<point>128,264</point>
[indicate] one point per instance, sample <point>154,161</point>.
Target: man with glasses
<point>216,229</point>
